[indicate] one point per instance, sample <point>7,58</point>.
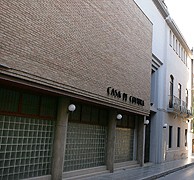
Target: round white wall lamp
<point>119,116</point>
<point>165,125</point>
<point>146,122</point>
<point>71,107</point>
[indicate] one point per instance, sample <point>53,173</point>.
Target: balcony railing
<point>176,105</point>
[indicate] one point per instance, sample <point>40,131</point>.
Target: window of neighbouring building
<point>185,137</point>
<point>170,38</point>
<point>176,46</point>
<point>179,91</point>
<point>170,137</point>
<point>171,91</point>
<point>174,42</point>
<point>178,136</point>
<point>187,97</point>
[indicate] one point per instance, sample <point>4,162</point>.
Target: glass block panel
<point>85,146</point>
<point>24,147</point>
<point>124,144</point>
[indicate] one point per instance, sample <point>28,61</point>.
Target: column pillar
<point>60,139</point>
<point>141,140</point>
<point>111,141</point>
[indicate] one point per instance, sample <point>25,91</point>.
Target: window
<point>187,98</point>
<point>176,46</point>
<point>179,91</point>
<point>9,100</point>
<point>181,53</point>
<point>171,91</point>
<point>185,137</point>
<point>170,137</point>
<point>170,38</point>
<point>174,42</point>
<point>178,136</point>
<point>88,114</point>
<point>128,121</point>
<point>183,56</point>
<point>27,104</point>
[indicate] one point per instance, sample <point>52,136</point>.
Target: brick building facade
<point>96,55</point>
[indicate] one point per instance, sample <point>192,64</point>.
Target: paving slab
<point>148,172</point>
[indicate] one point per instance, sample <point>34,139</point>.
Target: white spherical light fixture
<point>71,107</point>
<point>119,116</point>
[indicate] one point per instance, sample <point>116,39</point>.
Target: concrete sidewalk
<point>149,171</point>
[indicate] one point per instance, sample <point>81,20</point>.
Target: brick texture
<point>84,44</point>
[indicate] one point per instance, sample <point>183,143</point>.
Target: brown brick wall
<point>85,44</point>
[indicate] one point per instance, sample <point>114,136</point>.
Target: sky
<point>181,11</point>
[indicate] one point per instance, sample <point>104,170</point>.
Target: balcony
<point>178,106</point>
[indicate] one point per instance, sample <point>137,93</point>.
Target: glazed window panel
<point>48,106</point>
<point>30,104</point>
<point>127,121</point>
<point>9,100</point>
<point>131,121</point>
<point>94,115</point>
<point>75,116</point>
<point>89,114</point>
<point>86,113</point>
<point>103,117</point>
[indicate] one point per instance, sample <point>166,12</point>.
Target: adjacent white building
<point>168,136</point>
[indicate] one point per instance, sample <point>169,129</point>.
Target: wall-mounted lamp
<point>187,121</point>
<point>119,116</point>
<point>146,122</point>
<point>165,125</point>
<point>71,107</point>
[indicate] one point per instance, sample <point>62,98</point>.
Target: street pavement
<point>184,174</point>
<point>148,172</point>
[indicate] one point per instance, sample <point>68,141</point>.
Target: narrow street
<point>186,174</point>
